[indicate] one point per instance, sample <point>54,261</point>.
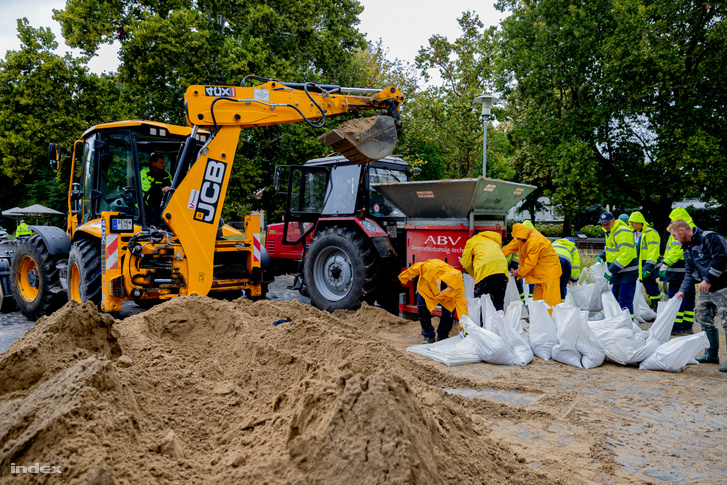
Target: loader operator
<point>648,243</point>
<point>482,258</point>
<point>623,263</point>
<point>155,180</point>
<point>539,263</point>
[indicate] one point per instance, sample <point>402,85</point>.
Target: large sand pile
<point>204,391</point>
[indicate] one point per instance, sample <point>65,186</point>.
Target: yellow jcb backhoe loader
<point>112,250</point>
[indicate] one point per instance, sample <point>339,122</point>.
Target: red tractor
<point>350,229</point>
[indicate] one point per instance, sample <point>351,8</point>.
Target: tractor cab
<point>334,187</point>
<point>108,163</point>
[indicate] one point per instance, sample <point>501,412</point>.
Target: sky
<point>403,25</point>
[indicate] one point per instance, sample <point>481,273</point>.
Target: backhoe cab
<point>116,247</point>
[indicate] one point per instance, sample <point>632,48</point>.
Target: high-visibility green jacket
<point>23,230</point>
<point>568,250</point>
<point>673,253</point>
<point>649,243</point>
<point>621,256</point>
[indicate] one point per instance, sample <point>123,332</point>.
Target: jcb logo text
<point>209,193</point>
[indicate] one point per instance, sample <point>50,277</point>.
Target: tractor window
<point>86,175</point>
<point>307,190</point>
<point>117,178</point>
<point>379,205</point>
<point>342,190</point>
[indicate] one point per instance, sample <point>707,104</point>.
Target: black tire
<point>84,272</point>
<point>7,302</point>
<point>340,269</point>
<point>34,278</point>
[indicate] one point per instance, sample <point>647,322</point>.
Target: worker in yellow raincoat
<point>439,283</point>
<point>482,258</point>
<point>539,263</point>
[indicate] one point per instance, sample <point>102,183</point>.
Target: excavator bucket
<point>363,140</point>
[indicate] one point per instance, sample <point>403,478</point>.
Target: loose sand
<point>204,391</point>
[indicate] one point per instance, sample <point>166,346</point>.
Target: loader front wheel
<point>84,272</point>
<point>340,269</point>
<point>34,279</point>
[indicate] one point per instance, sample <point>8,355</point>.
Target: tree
<point>617,102</point>
<point>45,98</point>
<point>167,46</point>
<point>446,115</point>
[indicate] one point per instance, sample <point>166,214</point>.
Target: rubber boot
<point>711,355</point>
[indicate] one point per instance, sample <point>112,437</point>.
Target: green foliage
<point>592,230</point>
<point>549,230</point>
<point>615,102</point>
<point>45,98</point>
<point>446,120</point>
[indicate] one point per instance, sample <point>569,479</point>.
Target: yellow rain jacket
<point>539,262</point>
<point>649,244</point>
<point>673,253</point>
<point>482,256</point>
<point>431,274</point>
<point>568,250</point>
<point>23,230</point>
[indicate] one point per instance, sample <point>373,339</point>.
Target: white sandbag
<point>474,310</point>
<point>675,354</point>
<point>588,345</point>
<point>469,286</point>
<point>511,293</point>
<point>456,350</point>
<point>611,307</point>
<point>600,287</point>
<point>490,347</point>
<point>581,295</point>
<point>625,351</point>
<point>642,310</point>
<point>619,326</point>
<point>488,313</point>
<point>512,318</point>
<point>666,314</point>
<point>543,335</point>
<point>519,346</point>
<point>567,319</point>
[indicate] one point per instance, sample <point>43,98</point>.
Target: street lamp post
<point>486,100</point>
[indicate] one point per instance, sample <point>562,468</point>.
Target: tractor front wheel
<point>84,272</point>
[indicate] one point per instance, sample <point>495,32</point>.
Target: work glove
<point>646,273</point>
<point>662,271</point>
<point>599,259</point>
<point>608,275</point>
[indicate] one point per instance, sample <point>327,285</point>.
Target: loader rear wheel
<point>340,269</point>
<point>84,272</point>
<point>34,279</point>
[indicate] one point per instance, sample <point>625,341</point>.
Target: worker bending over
<point>482,258</point>
<point>672,273</point>
<point>439,283</point>
<point>539,263</point>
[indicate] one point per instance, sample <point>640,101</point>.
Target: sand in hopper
<point>208,391</point>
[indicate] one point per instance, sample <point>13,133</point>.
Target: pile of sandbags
<point>584,331</point>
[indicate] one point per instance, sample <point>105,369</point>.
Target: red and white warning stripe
<point>256,246</point>
<point>112,251</point>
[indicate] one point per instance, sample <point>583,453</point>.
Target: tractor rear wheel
<point>84,272</point>
<point>340,269</point>
<point>34,278</point>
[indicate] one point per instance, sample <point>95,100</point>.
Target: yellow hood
<point>681,214</point>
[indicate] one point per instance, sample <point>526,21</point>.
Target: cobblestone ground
<point>13,325</point>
